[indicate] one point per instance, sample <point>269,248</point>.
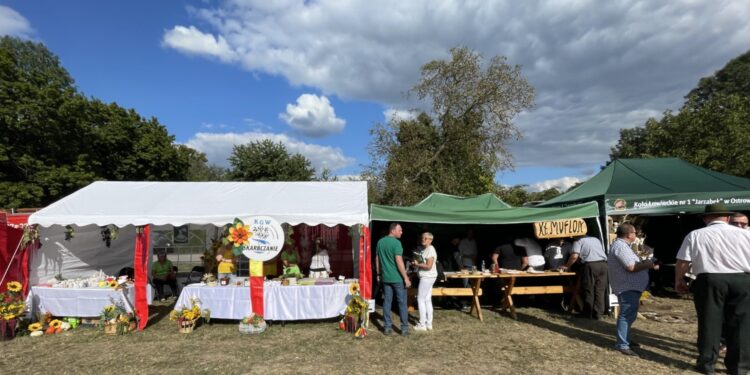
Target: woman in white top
<point>320,265</point>
<point>427,276</point>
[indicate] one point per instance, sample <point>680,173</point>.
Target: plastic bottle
<point>483,268</point>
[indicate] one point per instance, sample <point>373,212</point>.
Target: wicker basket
<point>187,326</point>
<point>250,329</point>
<point>111,329</point>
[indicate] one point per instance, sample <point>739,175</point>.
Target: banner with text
<point>560,228</point>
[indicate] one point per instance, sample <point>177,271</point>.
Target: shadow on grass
<point>603,336</point>
<point>157,313</point>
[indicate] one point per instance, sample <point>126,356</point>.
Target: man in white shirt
<point>720,256</point>
<point>534,258</point>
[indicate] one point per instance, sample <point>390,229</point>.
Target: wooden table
<point>475,290</point>
<point>509,288</point>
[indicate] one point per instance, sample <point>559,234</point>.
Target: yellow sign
<point>560,228</point>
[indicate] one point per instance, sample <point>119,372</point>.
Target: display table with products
<point>80,302</point>
<point>281,302</point>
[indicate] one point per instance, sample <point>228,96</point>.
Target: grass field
<point>542,340</point>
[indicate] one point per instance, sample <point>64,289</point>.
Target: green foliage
<point>710,130</point>
<point>733,78</point>
<point>460,146</point>
<point>268,161</point>
<point>518,195</point>
<point>54,140</point>
<point>199,169</point>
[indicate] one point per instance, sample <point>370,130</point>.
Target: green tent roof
<point>511,215</point>
<point>660,186</point>
<point>453,202</point>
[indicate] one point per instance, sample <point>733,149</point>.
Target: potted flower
<point>116,320</point>
<point>253,323</point>
<point>187,318</point>
<point>209,279</point>
<point>11,310</point>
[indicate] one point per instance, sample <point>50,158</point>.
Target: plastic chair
<point>195,275</point>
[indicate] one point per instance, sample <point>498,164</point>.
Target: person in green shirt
<point>163,273</point>
<point>290,261</point>
<point>389,263</point>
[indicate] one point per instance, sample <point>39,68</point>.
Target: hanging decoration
<point>69,232</point>
<point>109,234</point>
<point>30,235</point>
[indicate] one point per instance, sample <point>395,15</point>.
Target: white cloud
<point>398,114</point>
<point>218,148</point>
<point>562,184</point>
<point>349,177</point>
<point>194,42</point>
<point>313,116</point>
<point>13,23</point>
<point>596,66</point>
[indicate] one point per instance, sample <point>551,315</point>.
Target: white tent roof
<point>217,203</point>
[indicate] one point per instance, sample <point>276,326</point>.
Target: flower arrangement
<point>115,319</point>
<point>238,235</point>
<point>187,317</point>
<point>254,319</point>
<point>47,325</point>
<point>355,317</point>
<point>11,302</point>
<point>253,323</point>
<point>209,279</point>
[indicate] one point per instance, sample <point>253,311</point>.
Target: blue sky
<point>316,75</point>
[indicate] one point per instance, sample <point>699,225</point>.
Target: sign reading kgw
<point>560,228</point>
<point>265,238</point>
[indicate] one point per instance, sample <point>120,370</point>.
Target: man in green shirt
<point>389,263</point>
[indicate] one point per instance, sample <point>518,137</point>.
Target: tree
<point>54,140</point>
<point>268,161</point>
<point>200,169</point>
<point>458,148</point>
<point>517,195</point>
<point>710,130</point>
<point>733,78</point>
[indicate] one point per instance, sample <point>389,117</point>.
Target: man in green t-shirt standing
<point>389,263</point>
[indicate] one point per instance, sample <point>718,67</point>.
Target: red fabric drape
<point>25,265</point>
<point>365,264</point>
<point>256,295</point>
<point>141,275</point>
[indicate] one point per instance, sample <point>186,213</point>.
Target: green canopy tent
<point>454,202</point>
<point>463,215</point>
<point>657,186</point>
<point>483,209</point>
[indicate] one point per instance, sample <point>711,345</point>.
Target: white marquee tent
<point>134,204</point>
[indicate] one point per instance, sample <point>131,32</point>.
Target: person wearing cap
<point>720,257</point>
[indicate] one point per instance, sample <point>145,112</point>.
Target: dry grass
<point>540,341</point>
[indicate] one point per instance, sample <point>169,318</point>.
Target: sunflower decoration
<point>35,327</point>
<point>238,234</point>
<point>354,288</point>
<point>14,286</point>
<point>113,284</point>
<point>55,324</point>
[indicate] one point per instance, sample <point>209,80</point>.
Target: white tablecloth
<point>280,302</point>
<point>79,302</point>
